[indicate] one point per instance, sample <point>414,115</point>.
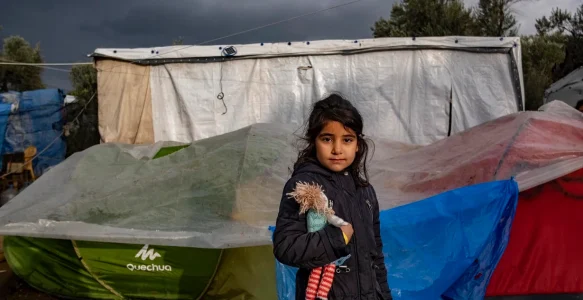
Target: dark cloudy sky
<point>68,30</point>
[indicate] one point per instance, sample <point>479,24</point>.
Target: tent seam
<point>202,294</point>
<point>105,285</point>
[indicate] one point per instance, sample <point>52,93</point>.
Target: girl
<point>335,158</point>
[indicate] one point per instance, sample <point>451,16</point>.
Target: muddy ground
<point>19,290</point>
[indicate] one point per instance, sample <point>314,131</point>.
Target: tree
<point>540,54</point>
<point>20,78</point>
<point>82,133</point>
<point>494,18</point>
<point>84,81</point>
<point>570,26</point>
<point>426,18</point>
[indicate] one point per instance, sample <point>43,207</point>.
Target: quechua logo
<point>151,254</point>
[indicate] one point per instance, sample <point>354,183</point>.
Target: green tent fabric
<point>80,269</point>
<point>98,270</point>
<point>52,266</point>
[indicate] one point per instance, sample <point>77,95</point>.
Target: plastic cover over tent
<point>411,90</point>
<point>224,191</point>
<point>35,119</point>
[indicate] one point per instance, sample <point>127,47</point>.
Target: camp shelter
<point>568,89</point>
<point>195,219</point>
<point>411,90</point>
<point>450,245</point>
<point>33,118</point>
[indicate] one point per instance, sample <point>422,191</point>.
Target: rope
<point>10,62</point>
<point>46,65</point>
<point>261,27</point>
<point>43,64</point>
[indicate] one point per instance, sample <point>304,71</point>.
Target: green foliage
<point>20,78</point>
<point>426,18</point>
<point>540,54</point>
<point>494,18</point>
<point>570,27</point>
<point>84,81</point>
<point>82,133</point>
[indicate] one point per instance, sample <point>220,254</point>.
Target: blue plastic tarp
<point>443,247</point>
<point>37,121</point>
<point>4,114</point>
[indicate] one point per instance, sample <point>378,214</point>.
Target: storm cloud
<point>68,30</point>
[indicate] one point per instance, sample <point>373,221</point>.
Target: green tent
<point>80,269</point>
<point>158,222</point>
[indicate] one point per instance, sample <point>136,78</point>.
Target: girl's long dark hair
<point>336,108</point>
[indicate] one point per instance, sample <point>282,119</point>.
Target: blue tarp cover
<point>38,121</point>
<point>4,114</point>
<point>443,247</point>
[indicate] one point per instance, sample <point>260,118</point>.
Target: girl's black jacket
<point>364,276</point>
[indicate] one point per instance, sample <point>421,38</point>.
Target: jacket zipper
<point>356,250</point>
<point>352,211</point>
<point>374,267</point>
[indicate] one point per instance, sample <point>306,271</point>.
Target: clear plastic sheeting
<point>218,193</point>
<point>536,147</point>
<point>224,191</point>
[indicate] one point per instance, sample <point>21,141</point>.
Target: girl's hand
<point>348,231</point>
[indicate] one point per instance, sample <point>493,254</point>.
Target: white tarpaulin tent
<point>568,89</point>
<point>412,90</point>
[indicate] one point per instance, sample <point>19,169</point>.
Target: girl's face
<point>336,146</point>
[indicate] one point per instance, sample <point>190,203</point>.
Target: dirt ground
<point>19,290</point>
